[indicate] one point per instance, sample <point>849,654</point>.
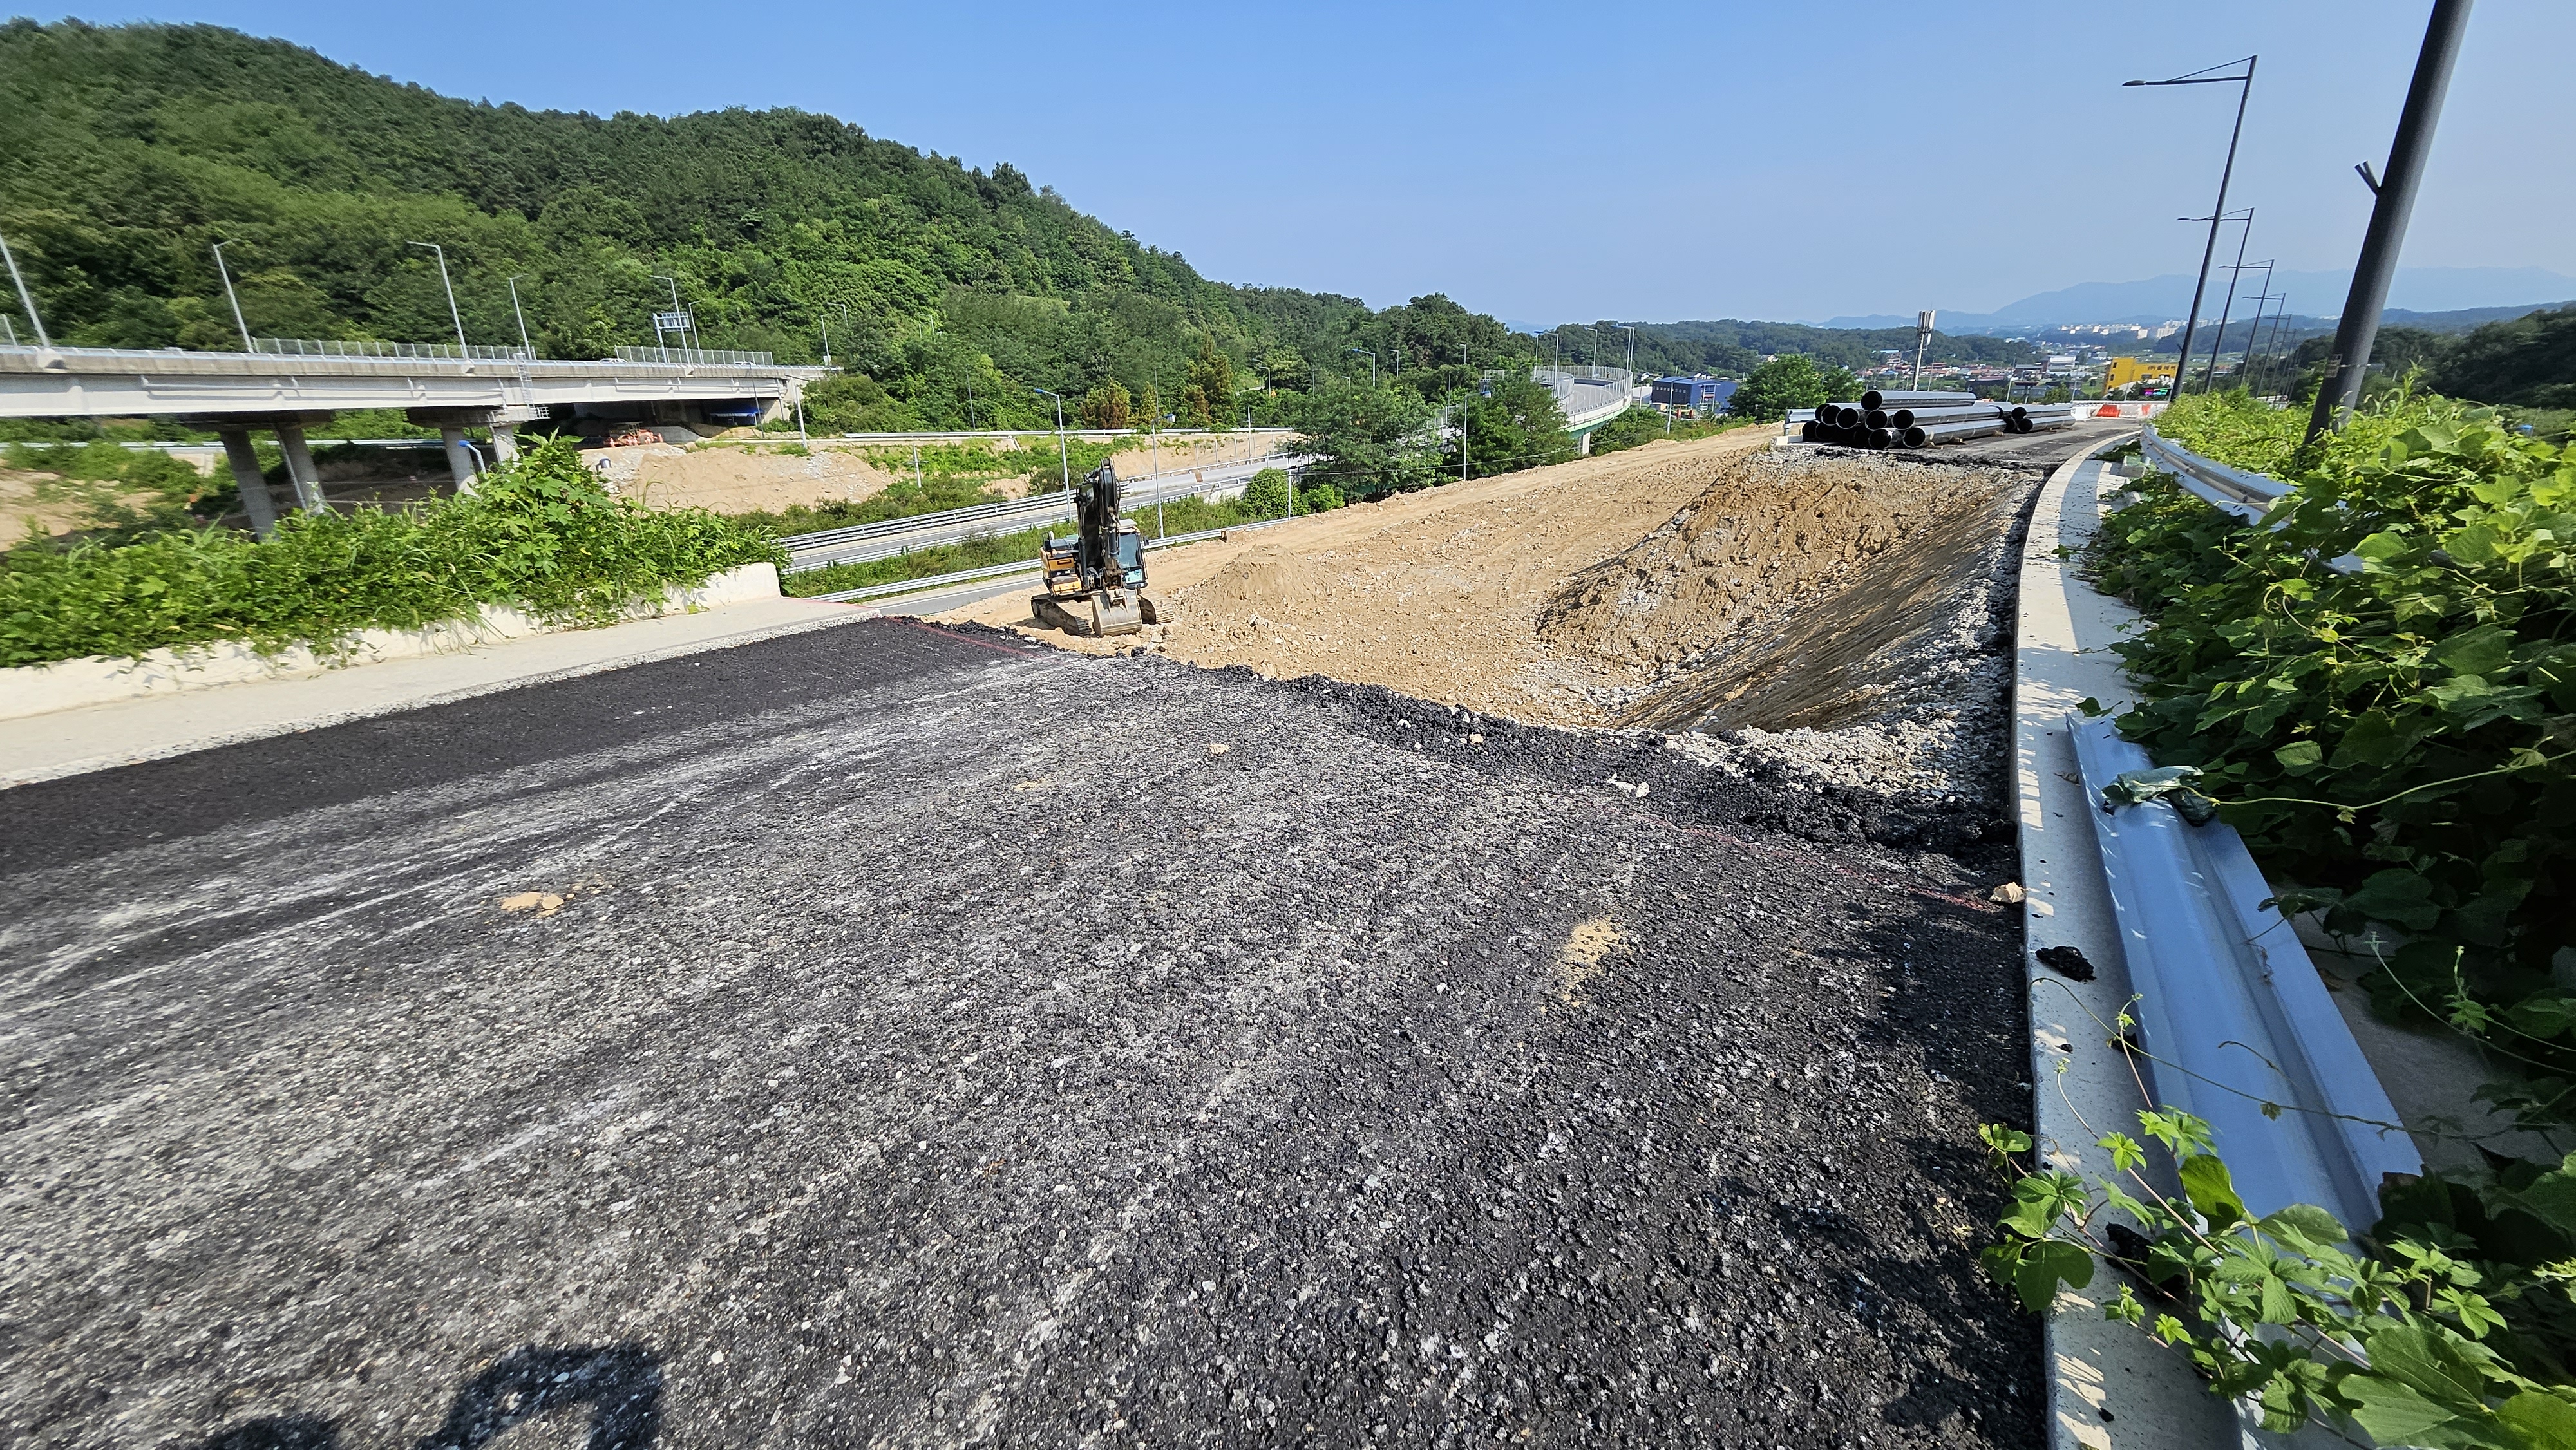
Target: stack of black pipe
<point>1917,419</point>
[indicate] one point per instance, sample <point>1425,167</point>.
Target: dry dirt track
<point>936,1042</point>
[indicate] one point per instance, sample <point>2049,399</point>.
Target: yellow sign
<point>2126,370</point>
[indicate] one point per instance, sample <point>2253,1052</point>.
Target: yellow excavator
<point>1095,580</point>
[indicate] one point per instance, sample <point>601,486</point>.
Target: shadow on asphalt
<point>620,1385</point>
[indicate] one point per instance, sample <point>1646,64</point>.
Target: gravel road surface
<point>897,1036</point>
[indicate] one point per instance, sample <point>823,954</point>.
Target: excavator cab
<point>1095,579</point>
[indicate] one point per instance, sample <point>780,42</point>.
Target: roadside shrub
<point>2399,740</point>
<point>541,534</point>
<point>2438,1328</point>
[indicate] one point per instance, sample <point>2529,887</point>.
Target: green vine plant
<point>2447,1324</point>
<point>2400,741</point>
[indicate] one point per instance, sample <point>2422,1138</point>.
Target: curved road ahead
<point>890,1036</point>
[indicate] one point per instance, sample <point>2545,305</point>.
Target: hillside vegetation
<point>952,291</point>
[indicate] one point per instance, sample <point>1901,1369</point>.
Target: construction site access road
<point>896,1036</point>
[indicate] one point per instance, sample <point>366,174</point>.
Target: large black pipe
<point>2358,329</point>
<point>1877,398</point>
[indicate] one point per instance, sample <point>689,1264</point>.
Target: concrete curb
<point>2110,1387</point>
<point>102,680</point>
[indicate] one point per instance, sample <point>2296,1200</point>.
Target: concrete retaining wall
<point>99,680</point>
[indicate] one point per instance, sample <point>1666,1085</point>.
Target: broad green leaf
<point>2396,1415</point>
<point>2305,1226</point>
<point>2205,1181</point>
<point>2398,897</point>
<point>2485,650</point>
<point>2300,755</point>
<point>2428,1362</point>
<point>2047,1264</point>
<point>2542,1419</point>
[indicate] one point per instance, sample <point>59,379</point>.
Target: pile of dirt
<point>1263,574</point>
<point>1435,594</point>
<point>1769,533</point>
<point>1841,620</point>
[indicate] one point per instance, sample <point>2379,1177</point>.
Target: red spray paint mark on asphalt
<point>968,639</point>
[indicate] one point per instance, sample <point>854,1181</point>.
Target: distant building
<point>1699,394</point>
<point>2120,372</point>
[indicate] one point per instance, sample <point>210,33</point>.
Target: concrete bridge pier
<point>299,468</point>
<point>1583,443</point>
<point>460,457</point>
<point>247,478</point>
<point>505,443</point>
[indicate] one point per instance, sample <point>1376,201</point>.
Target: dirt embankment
<point>1437,594</point>
<point>1842,617</point>
<point>743,477</point>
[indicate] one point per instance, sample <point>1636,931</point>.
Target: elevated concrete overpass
<point>1589,397</point>
<point>288,386</point>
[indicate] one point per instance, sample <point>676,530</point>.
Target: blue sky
<point>1560,161</point>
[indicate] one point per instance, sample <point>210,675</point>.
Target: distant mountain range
<point>2509,290</point>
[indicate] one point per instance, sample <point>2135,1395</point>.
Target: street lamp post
<point>232,297</point>
<point>1372,357</point>
<point>1063,461</point>
<point>452,314</point>
<point>2236,279</point>
<point>526,348</point>
<point>26,299</point>
<point>2235,275</point>
<point>676,310</point>
<point>1632,350</point>
<point>2209,251</point>
<point>2358,328</point>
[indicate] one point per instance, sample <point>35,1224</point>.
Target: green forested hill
<point>125,152</point>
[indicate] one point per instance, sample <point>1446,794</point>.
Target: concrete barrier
<point>100,680</point>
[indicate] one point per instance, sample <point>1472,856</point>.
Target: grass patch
<point>541,535</point>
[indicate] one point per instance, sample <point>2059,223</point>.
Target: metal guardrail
<point>370,348</point>
<point>696,357</point>
<point>862,543</point>
<point>988,435</point>
<point>2246,496</point>
<point>999,571</point>
<point>59,359</point>
<point>2233,1008</point>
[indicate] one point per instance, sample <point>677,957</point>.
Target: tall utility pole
<point>1063,461</point>
<point>2209,252</point>
<point>1632,350</point>
<point>1372,357</point>
<point>452,314</point>
<point>526,348</point>
<point>2235,274</point>
<point>232,297</point>
<point>2358,329</point>
<point>1922,340</point>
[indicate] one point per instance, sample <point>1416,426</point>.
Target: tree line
<point>950,293</point>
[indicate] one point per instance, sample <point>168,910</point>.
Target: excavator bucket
<point>1123,617</point>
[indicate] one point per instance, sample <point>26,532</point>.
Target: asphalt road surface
<point>892,1036</point>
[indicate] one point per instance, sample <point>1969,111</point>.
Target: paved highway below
<point>893,1036</point>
